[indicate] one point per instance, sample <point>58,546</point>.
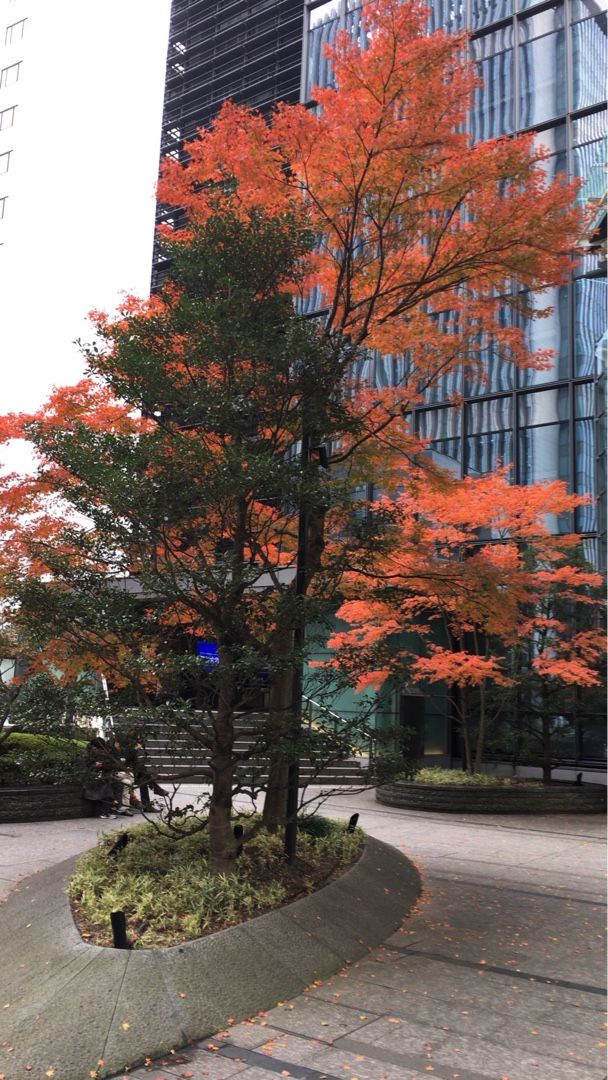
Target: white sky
<point>78,226</point>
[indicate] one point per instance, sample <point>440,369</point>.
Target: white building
<point>13,76</point>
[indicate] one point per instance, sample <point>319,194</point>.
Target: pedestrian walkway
<point>499,974</point>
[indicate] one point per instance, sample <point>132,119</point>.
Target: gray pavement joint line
<point>479,883</point>
<point>264,1061</point>
<point>529,976</point>
<point>406,1061</point>
<point>115,1009</point>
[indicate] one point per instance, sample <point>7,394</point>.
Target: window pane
<point>589,61</point>
<point>550,332</point>
<point>485,12</point>
<point>323,27</point>
<point>485,453</point>
<point>544,453</point>
<point>553,140</point>
<point>541,65</point>
<point>591,295</point>
<point>442,427</point>
<point>544,407</point>
<point>494,414</point>
<point>585,9</point>
<point>584,404</point>
<point>493,104</point>
<point>586,516</point>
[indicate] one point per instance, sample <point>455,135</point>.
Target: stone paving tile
<point>251,1033</point>
<point>292,1048</point>
<point>312,1017</point>
<point>203,1065</point>
<point>486,1056</point>
<point>342,1063</point>
<point>412,1005</point>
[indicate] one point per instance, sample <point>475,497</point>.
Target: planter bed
<point>560,798</point>
<point>94,1009</point>
<point>43,802</point>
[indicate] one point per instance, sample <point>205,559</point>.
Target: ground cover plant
<point>170,896</point>
<point>460,778</point>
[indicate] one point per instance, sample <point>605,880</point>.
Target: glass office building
<point>543,67</point>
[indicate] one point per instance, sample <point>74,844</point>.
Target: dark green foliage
<point>40,759</point>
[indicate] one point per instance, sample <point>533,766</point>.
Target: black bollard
<point>352,824</point>
<point>119,930</point>
<point>120,844</point>
<point>238,836</point>
<point>579,778</point>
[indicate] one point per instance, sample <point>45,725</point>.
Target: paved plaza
<point>498,973</point>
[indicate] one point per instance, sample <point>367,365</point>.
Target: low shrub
<point>457,777</point>
<point>39,759</point>
<point>168,895</point>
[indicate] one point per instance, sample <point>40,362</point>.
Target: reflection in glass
<point>498,373</point>
<point>542,92</point>
<point>590,325</point>
<point>584,395</point>
<point>484,12</point>
<point>544,453</point>
<point>585,9</point>
<point>554,140</point>
<point>447,15</point>
<point>445,388</point>
<point>586,516</point>
<point>494,414</point>
<point>323,27</point>
<point>485,453</point>
<point>354,25</point>
<point>492,112</point>
<point>442,427</point>
<point>549,333</point>
<point>439,423</point>
<point>543,407</point>
<point>589,61</point>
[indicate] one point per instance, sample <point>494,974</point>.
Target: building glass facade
<point>543,67</point>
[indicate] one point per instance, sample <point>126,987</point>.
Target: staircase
<point>168,758</point>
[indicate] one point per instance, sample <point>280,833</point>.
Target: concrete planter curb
<point>73,1004</point>
<point>43,802</point>
<point>560,798</point>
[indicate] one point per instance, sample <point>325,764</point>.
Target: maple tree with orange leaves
<point>473,591</point>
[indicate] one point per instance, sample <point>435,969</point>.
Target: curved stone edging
<point>43,802</point>
<point>74,1004</point>
<point>560,798</point>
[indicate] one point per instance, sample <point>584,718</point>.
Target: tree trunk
<point>481,731</point>
<point>275,802</point>
<point>222,846</point>
<point>466,733</point>
<point>547,755</point>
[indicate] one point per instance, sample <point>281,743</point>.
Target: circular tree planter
<point>43,802</point>
<point>559,798</point>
